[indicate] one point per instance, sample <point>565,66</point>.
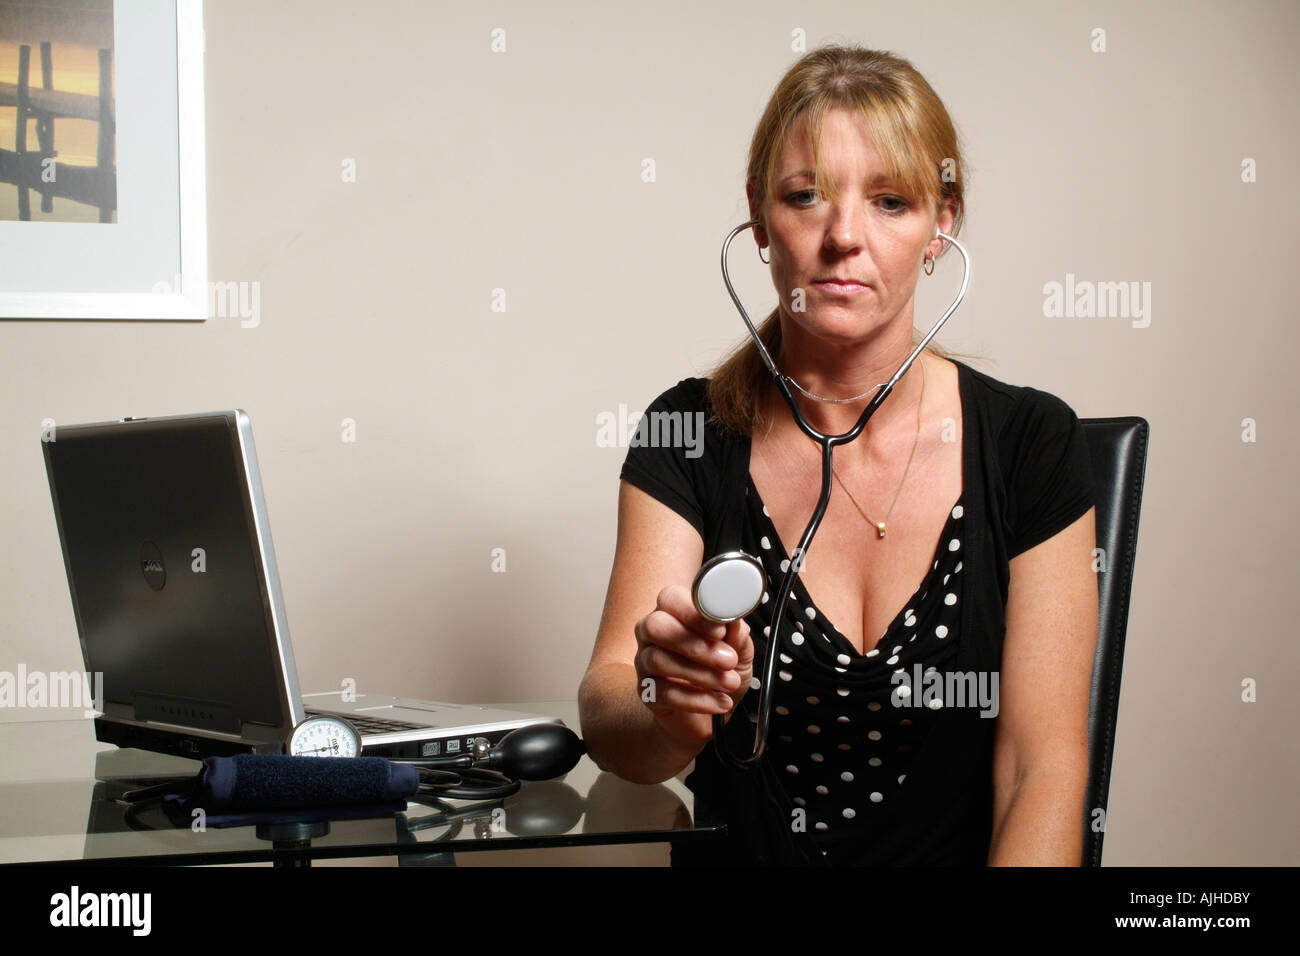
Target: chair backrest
<point>1119,455</point>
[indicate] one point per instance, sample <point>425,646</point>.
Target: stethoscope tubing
<point>827,444</point>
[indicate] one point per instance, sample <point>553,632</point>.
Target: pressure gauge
<point>323,736</point>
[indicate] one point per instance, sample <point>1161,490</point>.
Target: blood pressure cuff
<point>278,788</point>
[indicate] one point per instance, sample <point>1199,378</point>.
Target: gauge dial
<point>325,737</point>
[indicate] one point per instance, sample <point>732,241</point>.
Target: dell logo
<point>151,566</point>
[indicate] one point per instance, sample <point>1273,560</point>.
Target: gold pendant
<point>880,529</point>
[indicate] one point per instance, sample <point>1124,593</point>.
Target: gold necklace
<point>880,525</point>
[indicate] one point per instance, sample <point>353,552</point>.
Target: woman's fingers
<point>687,662</point>
<point>653,660</point>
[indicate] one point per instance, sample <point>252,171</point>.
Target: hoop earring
<point>767,261</point>
<point>928,264</point>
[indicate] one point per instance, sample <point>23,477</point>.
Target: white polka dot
<point>785,675</point>
<point>799,626</point>
<point>841,720</point>
<point>845,747</point>
<point>783,711</point>
<point>958,568</point>
<point>814,729</point>
<point>766,515</point>
<point>796,640</point>
<point>843,658</point>
<point>822,790</point>
<point>954,544</point>
<point>958,511</point>
<point>786,658</point>
<point>811,612</point>
<point>873,735</point>
<point>872,653</point>
<point>849,813</point>
<point>791,768</point>
<point>874,705</point>
<point>910,622</point>
<point>767,631</point>
<point>841,670</point>
<point>800,802</point>
<point>814,701</point>
<point>755,683</point>
<point>892,660</point>
<point>906,722</point>
<point>846,777</point>
<point>821,826</point>
<point>950,599</point>
<point>817,758</point>
<point>902,777</point>
<point>941,631</point>
<point>785,566</point>
<point>874,761</point>
<point>946,577</point>
<point>935,565</point>
<point>765,543</point>
<point>877,796</point>
<point>765,597</point>
<point>936,704</point>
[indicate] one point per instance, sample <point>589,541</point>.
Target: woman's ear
<point>760,234</point>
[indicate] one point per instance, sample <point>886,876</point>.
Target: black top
<point>884,757</point>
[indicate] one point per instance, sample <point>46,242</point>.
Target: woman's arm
<point>1040,756</point>
<point>656,548</point>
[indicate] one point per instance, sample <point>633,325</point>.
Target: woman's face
<point>872,236</point>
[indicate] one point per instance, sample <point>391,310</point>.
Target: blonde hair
<point>910,128</point>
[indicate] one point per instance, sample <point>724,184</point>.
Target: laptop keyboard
<point>370,725</point>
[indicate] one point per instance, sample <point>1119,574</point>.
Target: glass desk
<point>57,805</point>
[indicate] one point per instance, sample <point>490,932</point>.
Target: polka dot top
<point>844,728</point>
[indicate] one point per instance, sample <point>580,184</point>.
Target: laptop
<point>177,600</point>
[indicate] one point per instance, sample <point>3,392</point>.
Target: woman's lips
<point>841,288</point>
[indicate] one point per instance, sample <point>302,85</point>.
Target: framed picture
<point>102,200</point>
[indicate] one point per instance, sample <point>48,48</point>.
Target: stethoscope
<point>730,585</point>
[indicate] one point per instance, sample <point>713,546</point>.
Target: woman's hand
<point>689,668</point>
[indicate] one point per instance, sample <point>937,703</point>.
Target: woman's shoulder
<point>1011,406</point>
<point>689,394</point>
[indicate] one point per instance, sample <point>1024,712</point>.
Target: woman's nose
<point>846,228</point>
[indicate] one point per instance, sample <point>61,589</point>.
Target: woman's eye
<point>805,197</point>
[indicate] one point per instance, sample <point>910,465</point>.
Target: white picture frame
<point>152,263</point>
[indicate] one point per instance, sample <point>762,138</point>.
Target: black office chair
<point>1119,456</point>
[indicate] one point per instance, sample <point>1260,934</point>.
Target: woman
<point>978,490</point>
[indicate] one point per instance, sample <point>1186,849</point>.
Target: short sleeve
<point>1050,483</point>
<point>666,455</point>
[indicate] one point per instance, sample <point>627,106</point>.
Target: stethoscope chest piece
<point>728,586</point>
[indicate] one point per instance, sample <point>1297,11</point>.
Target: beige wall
<point>521,171</point>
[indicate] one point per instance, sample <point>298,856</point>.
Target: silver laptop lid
<point>172,573</point>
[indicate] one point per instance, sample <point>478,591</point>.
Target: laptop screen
<point>160,545</point>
